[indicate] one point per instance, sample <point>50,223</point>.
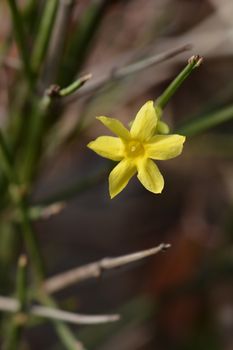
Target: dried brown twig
<point>95,269</point>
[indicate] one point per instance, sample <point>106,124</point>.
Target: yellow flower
<point>135,150</point>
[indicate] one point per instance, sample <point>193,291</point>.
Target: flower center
<point>134,149</point>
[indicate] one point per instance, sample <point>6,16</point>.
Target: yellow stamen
<point>134,148</point>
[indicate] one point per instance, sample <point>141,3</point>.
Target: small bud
<point>162,128</point>
<point>53,91</point>
<point>196,60</point>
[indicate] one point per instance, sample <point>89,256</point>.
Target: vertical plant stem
<point>36,128</point>
<point>29,10</point>
<point>57,43</point>
<point>20,318</point>
<point>63,331</point>
<point>20,39</point>
<point>38,123</point>
<point>44,33</point>
<point>17,195</point>
<point>31,241</point>
<point>22,283</point>
<point>193,63</point>
<point>8,247</point>
<point>81,40</point>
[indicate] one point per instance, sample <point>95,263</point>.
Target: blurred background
<point>180,299</point>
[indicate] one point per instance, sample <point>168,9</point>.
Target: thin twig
<point>37,212</point>
<point>38,120</point>
<point>121,72</point>
<point>193,63</point>
<point>73,87</point>
<point>95,269</point>
<point>44,32</point>
<point>45,212</point>
<point>206,121</point>
<point>13,338</point>
<point>12,305</point>
<point>22,283</point>
<point>18,197</point>
<point>81,37</point>
<point>57,42</point>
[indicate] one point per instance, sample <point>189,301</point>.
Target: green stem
<point>8,247</point>
<point>33,143</point>
<point>17,195</point>
<point>22,283</point>
<point>20,318</point>
<point>38,123</point>
<point>31,241</point>
<point>57,42</point>
<point>81,40</point>
<point>63,331</point>
<point>44,33</point>
<point>203,123</point>
<point>20,39</point>
<point>30,10</point>
<point>74,86</point>
<point>193,63</point>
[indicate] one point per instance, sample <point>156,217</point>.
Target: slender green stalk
<point>16,192</point>
<point>38,123</point>
<point>29,10</point>
<point>20,39</point>
<point>205,122</point>
<point>81,40</point>
<point>17,195</point>
<point>22,283</point>
<point>30,4</point>
<point>57,42</point>
<point>6,160</point>
<point>44,33</point>
<point>20,318</point>
<point>74,86</point>
<point>8,247</point>
<point>193,63</point>
<point>33,142</point>
<point>31,241</point>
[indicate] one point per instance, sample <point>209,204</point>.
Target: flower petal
<point>150,176</point>
<point>116,127</point>
<point>120,176</point>
<point>108,147</point>
<point>164,147</point>
<point>144,124</point>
